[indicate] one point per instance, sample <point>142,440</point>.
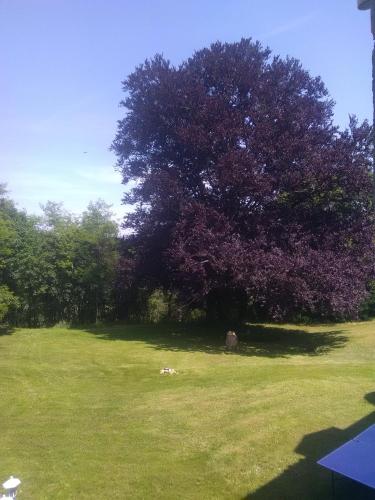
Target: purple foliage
<point>243,183</point>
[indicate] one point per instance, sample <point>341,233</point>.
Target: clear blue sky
<point>62,63</point>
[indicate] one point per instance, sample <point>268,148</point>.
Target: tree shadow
<point>255,340</point>
<point>309,481</point>
<point>6,330</point>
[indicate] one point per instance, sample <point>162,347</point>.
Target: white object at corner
<point>10,486</point>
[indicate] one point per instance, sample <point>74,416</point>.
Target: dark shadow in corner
<point>255,340</point>
<point>308,481</point>
<point>6,330</point>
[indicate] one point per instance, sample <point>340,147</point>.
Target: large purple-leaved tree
<point>243,187</point>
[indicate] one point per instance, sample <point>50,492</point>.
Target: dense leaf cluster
<point>243,187</point>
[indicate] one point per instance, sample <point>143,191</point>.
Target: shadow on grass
<point>309,481</point>
<point>6,330</point>
<point>255,339</point>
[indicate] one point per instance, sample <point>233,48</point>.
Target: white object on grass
<point>168,371</point>
<point>10,486</point>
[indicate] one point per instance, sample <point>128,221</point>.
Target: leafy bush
<point>368,307</point>
<point>157,307</point>
<point>8,301</point>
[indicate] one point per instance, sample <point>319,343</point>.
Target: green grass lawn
<point>84,413</point>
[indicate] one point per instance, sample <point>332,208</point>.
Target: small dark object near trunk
<point>231,340</point>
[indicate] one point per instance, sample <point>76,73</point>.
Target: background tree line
<point>57,267</point>
<point>75,269</point>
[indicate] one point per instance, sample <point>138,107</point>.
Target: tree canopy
<point>242,185</point>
